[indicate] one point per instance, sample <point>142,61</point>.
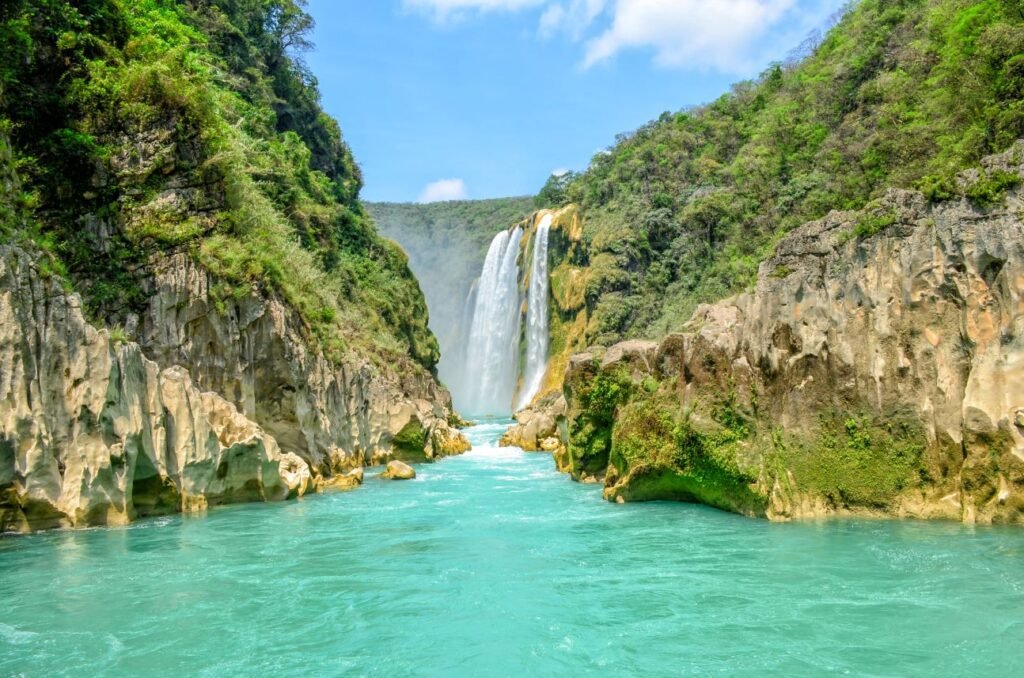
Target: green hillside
<point>901,93</point>
<point>141,128</point>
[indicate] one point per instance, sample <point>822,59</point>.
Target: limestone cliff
<point>253,350</point>
<point>536,426</point>
<point>876,368</point>
<point>92,432</point>
<point>167,173</point>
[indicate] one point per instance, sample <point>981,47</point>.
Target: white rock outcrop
<point>92,432</point>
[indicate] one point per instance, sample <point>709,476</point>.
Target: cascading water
<point>491,353</point>
<point>536,316</point>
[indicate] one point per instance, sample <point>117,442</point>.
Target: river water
<point>494,564</point>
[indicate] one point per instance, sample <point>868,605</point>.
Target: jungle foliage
<point>152,126</point>
<point>898,93</point>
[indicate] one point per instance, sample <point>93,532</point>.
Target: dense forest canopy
<point>145,127</point>
<point>900,93</point>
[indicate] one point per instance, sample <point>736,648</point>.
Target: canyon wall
<point>876,368</point>
<point>94,432</point>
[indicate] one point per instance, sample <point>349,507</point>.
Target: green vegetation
<point>140,128</point>
<point>653,449</point>
<point>555,192</point>
<point>872,223</point>
<point>599,394</point>
<point>856,460</point>
<point>990,189</point>
<point>410,441</point>
<point>718,448</point>
<point>900,93</point>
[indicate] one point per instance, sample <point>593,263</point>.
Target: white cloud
<point>723,35</point>
<point>560,172</point>
<point>715,34</point>
<point>442,10</point>
<point>444,189</point>
<point>572,18</point>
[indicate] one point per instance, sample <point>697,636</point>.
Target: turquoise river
<point>494,564</point>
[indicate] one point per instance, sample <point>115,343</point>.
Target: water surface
<point>494,564</point>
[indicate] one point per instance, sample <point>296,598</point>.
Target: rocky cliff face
<point>536,426</point>
<point>877,368</point>
<point>93,432</point>
<point>205,211</point>
<point>253,351</point>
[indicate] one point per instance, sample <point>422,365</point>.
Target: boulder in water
<point>398,470</point>
<point>536,426</point>
<point>344,481</point>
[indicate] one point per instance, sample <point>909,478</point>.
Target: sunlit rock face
<point>210,407</point>
<point>877,373</point>
<point>254,352</point>
<point>93,433</point>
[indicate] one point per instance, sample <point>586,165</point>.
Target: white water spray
<point>492,358</point>
<point>536,316</point>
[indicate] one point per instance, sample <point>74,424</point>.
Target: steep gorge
<point>871,371</point>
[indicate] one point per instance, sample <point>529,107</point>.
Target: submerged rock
<point>398,470</point>
<point>344,481</point>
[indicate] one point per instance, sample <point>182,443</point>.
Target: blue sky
<point>445,99</point>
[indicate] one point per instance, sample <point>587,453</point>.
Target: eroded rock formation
<point>93,432</point>
<point>878,367</point>
<point>536,426</point>
<point>254,351</point>
<point>398,470</point>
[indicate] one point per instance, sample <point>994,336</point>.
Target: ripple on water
<point>492,563</point>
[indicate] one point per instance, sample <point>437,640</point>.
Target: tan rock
<point>342,482</point>
<point>254,350</point>
<point>550,444</point>
<point>535,424</point>
<point>907,346</point>
<point>398,470</point>
<point>95,433</point>
<point>296,475</point>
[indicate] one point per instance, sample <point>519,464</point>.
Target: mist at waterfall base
<point>445,268</point>
<point>485,379</point>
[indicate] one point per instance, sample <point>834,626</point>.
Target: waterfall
<point>536,316</point>
<point>492,356</point>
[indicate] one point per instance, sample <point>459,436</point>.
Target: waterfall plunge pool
<point>494,564</point>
